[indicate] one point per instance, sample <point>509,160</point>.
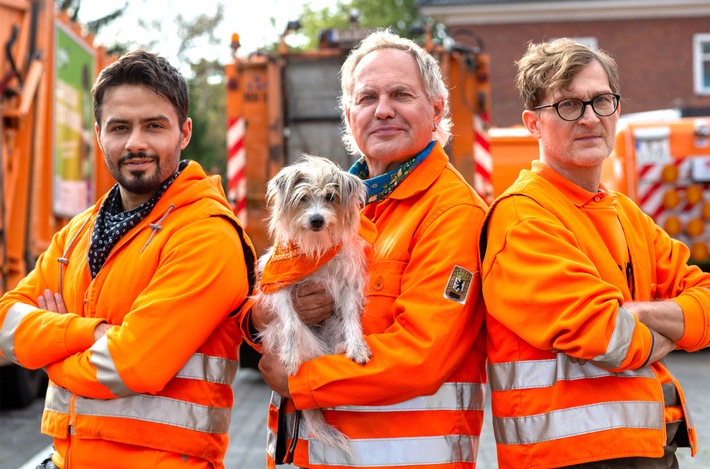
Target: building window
<point>701,63</point>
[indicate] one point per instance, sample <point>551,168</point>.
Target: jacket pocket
<point>385,278</point>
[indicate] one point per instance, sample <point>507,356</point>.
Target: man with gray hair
<point>418,402</point>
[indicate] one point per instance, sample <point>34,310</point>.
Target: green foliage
<point>209,123</point>
<point>401,16</point>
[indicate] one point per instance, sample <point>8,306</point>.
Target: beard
<point>138,182</point>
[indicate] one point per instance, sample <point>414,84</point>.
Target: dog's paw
<point>359,353</point>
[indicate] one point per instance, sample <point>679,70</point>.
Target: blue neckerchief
<point>378,188</point>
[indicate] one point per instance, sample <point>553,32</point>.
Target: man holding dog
<point>419,400</point>
<point>585,294</point>
<point>132,310</point>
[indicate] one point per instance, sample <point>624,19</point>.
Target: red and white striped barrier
<point>236,168</point>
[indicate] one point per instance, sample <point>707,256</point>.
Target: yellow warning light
<point>699,252</point>
<point>235,38</point>
<point>669,173</point>
<point>671,199</point>
<point>694,194</point>
<point>672,225</point>
<point>695,227</point>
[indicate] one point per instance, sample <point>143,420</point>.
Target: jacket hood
<point>192,185</point>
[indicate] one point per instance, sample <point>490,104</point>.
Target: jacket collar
<point>423,175</point>
<point>576,194</point>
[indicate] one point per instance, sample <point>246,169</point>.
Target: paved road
<point>248,435</point>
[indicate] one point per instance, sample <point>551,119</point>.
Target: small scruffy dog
<point>314,222</point>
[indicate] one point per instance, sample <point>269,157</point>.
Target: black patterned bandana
<point>378,188</point>
<point>112,223</point>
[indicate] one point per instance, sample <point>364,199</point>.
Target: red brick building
<point>662,47</point>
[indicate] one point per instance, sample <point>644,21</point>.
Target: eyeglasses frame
<point>584,106</point>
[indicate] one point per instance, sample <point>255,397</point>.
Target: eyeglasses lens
<point>572,109</point>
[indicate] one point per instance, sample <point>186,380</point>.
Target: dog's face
<point>314,204</point>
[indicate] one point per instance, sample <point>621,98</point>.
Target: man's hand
<point>101,330</point>
<point>55,303</point>
<point>665,317</point>
<point>312,302</point>
<point>662,346</point>
<point>274,374</point>
<point>52,302</point>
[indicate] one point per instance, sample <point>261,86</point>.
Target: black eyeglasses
<point>571,109</point>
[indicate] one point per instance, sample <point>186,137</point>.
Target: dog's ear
<point>279,185</point>
<point>352,187</point>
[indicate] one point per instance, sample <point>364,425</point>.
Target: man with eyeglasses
<point>585,294</point>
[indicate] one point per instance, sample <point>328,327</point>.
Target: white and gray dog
<point>314,222</point>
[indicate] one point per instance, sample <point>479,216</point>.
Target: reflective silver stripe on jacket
<point>581,420</point>
<point>199,366</point>
<point>211,369</point>
<point>106,372</point>
<point>271,437</point>
<point>545,373</point>
<point>411,451</point>
<point>13,318</point>
<point>450,396</point>
<point>145,408</point>
<point>562,423</point>
<point>57,399</point>
<point>620,340</point>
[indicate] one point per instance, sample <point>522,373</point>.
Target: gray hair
<point>428,69</point>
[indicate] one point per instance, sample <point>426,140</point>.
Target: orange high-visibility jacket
<point>172,285</point>
<point>419,400</point>
<point>558,265</point>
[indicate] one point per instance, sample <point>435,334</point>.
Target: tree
<point>209,123</point>
<point>401,16</point>
<point>207,99</point>
<point>73,7</point>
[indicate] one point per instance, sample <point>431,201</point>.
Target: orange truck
<point>50,165</point>
<point>662,163</point>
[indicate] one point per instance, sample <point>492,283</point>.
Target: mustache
<point>141,155</point>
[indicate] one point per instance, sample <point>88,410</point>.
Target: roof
<point>457,12</point>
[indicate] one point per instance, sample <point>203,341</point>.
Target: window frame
<point>701,64</point>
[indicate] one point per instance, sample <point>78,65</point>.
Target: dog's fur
<point>315,205</point>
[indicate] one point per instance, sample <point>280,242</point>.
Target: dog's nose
<point>317,222</point>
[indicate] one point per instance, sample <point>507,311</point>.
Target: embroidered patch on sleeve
<point>459,284</point>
